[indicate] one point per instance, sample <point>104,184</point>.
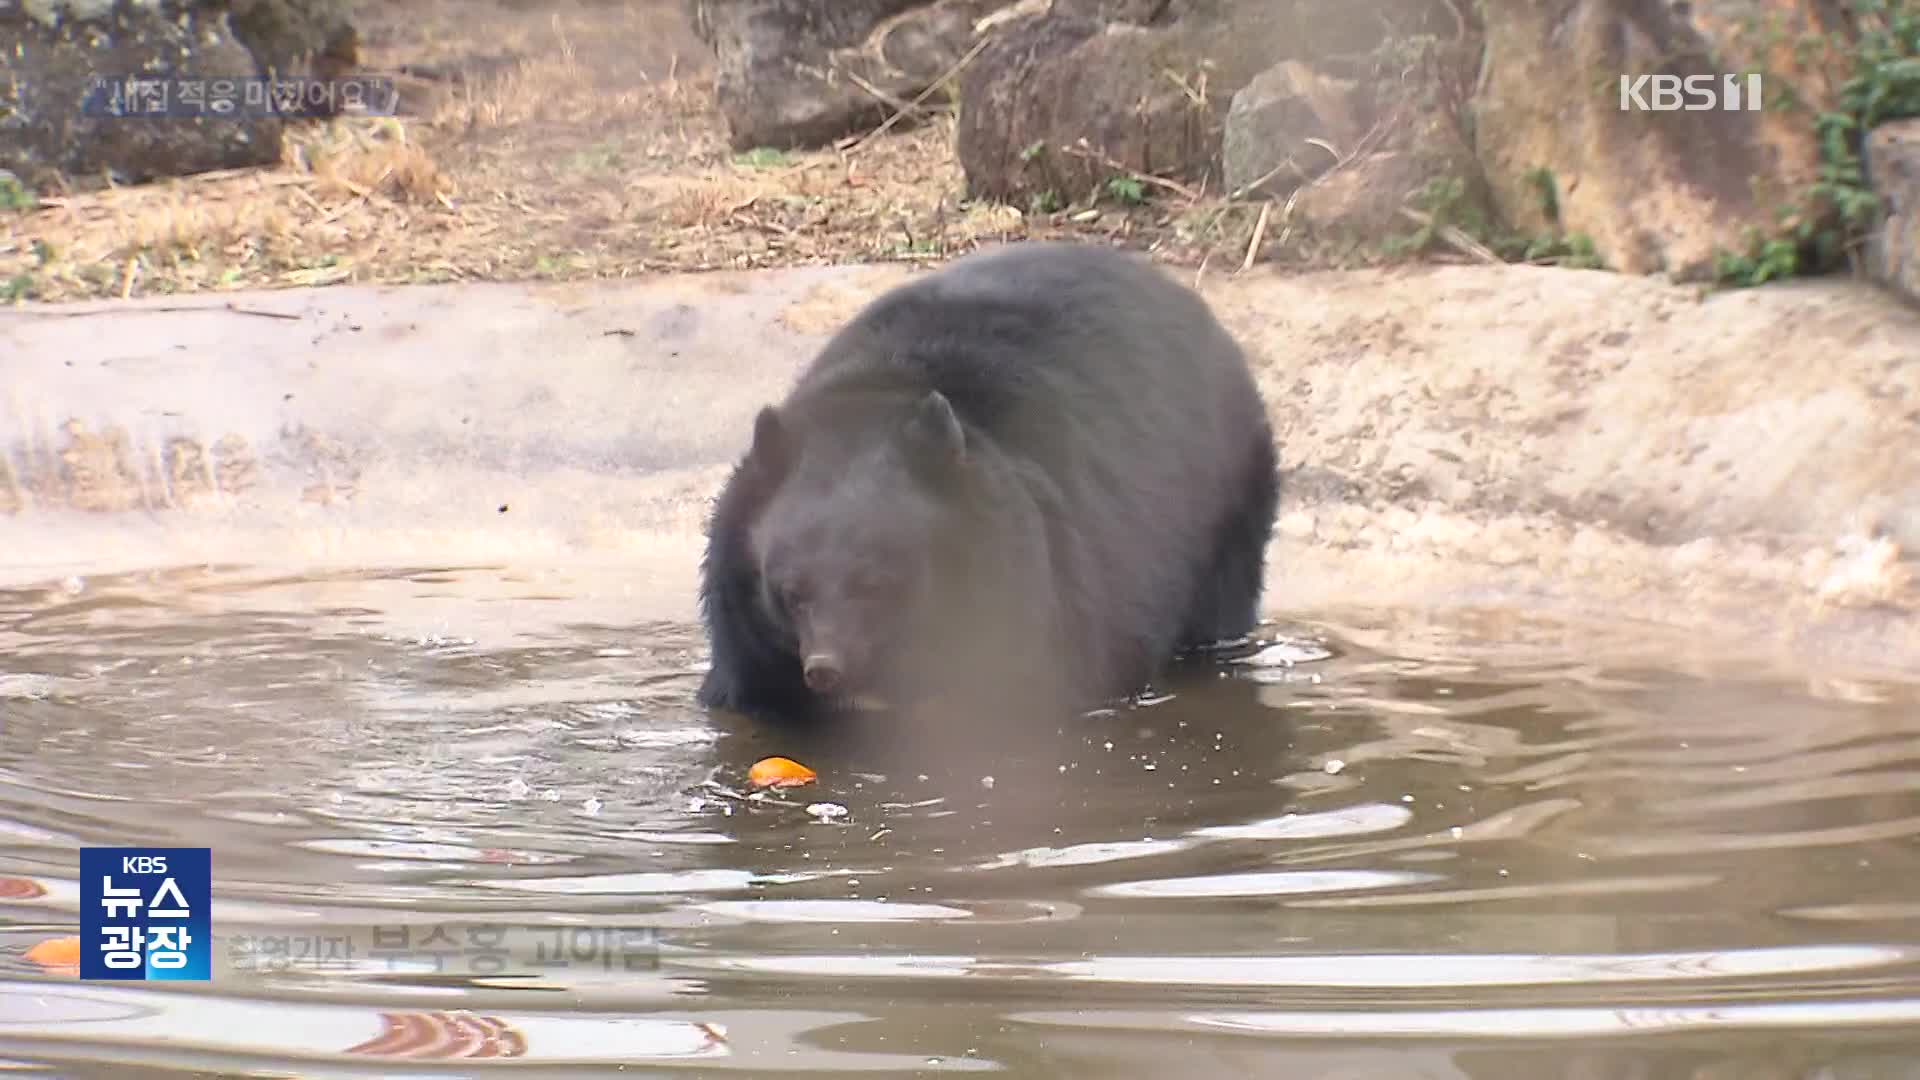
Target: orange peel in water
<point>56,952</point>
<point>779,772</point>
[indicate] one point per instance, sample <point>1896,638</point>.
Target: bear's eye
<point>792,597</point>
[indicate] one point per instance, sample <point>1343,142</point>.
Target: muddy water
<point>466,814</point>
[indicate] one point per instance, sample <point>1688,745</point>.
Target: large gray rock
<point>790,71</point>
<point>58,50</point>
<point>298,38</point>
<point>1265,144</point>
<point>1056,106</point>
<point>1148,93</point>
<point>1404,146</point>
<point>1424,165</point>
<point>1893,170</point>
<point>54,51</point>
<point>1656,190</point>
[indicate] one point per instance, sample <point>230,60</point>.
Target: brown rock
<point>1656,190</point>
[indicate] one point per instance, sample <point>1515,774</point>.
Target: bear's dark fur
<point>1037,475</point>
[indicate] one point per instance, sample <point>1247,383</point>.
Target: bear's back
<point>1035,322</point>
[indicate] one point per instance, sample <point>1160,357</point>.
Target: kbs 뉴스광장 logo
<point>144,913</point>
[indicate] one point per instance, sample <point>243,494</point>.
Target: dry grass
<point>568,162</point>
<point>345,198</point>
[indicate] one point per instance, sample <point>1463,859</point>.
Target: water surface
<point>466,817</point>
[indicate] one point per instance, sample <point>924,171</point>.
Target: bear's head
<point>855,542</point>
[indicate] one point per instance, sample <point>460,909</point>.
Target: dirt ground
<point>554,139</point>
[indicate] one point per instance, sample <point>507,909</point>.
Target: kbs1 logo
<point>144,913</point>
<point>1693,93</point>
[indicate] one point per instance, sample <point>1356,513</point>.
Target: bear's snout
<point>823,672</point>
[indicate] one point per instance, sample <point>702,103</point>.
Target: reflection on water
<point>472,815</point>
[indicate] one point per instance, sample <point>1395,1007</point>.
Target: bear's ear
<point>772,442</point>
<point>933,433</point>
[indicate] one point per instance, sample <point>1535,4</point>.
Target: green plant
<point>1765,259</point>
<point>1575,251</point>
<point>1401,56</point>
<point>1544,185</point>
<point>918,245</point>
<point>1825,227</point>
<point>1043,202</point>
<point>1442,202</point>
<point>601,157</point>
<point>762,157</point>
<point>1127,189</point>
<point>15,195</point>
<point>1445,204</point>
<point>1885,84</point>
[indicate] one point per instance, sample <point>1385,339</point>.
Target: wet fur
<point>1121,466</point>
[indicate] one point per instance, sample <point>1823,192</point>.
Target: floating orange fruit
<point>56,952</point>
<point>779,772</point>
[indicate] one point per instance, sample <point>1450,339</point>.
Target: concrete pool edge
<point>1458,438</point>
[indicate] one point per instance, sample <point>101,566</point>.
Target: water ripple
<point>1525,838</point>
<point>1505,1024</point>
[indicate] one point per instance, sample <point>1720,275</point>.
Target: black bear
<point>1035,476</point>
